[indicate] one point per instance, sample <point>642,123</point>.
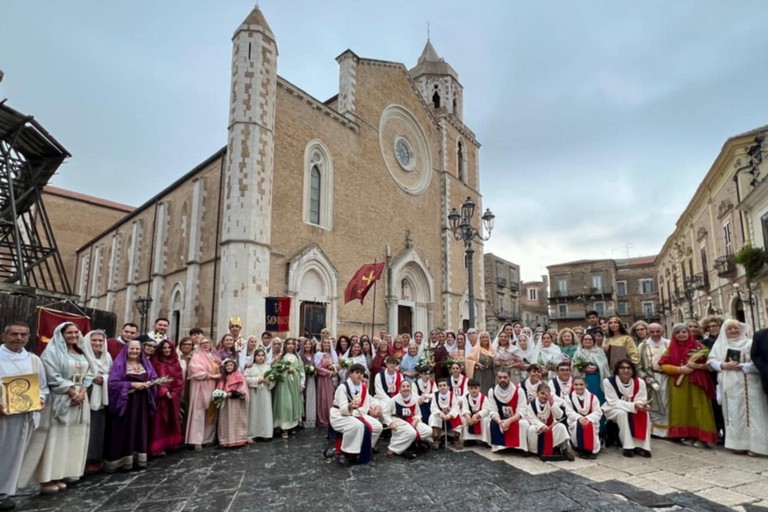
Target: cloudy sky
<point>598,119</point>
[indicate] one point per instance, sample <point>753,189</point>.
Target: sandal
<point>285,436</point>
<point>50,488</point>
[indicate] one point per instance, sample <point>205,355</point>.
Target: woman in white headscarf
<point>95,346</point>
<point>745,405</point>
<point>59,447</point>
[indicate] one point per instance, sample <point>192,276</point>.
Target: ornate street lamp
<point>142,305</point>
<point>690,292</point>
<point>748,297</point>
<point>461,227</point>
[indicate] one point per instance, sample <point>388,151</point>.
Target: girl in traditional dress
<point>131,402</point>
<point>325,363</point>
<point>260,424</point>
<point>98,397</point>
<point>619,339</point>
<point>288,406</point>
<point>566,340</point>
<point>480,363</point>
<point>584,414</point>
<point>233,413</point>
<point>225,349</point>
<point>626,404</point>
<point>59,446</point>
<point>549,356</point>
<point>307,352</point>
<point>166,429</point>
<point>202,374</point>
<point>691,390</point>
<point>745,405</point>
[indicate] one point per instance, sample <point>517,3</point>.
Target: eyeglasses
<point>625,367</point>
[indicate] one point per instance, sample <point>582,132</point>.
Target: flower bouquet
<point>693,357</point>
<point>581,364</point>
<point>427,359</point>
<point>277,371</point>
<point>448,362</point>
<point>549,365</point>
<point>344,363</point>
<point>309,369</point>
<point>218,397</point>
<point>157,382</point>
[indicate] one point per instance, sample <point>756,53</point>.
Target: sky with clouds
<point>597,119</point>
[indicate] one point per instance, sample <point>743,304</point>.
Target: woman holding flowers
<point>690,407</point>
<point>289,385</point>
<point>590,362</point>
<point>260,424</point>
<point>202,374</point>
<point>550,355</point>
<point>233,411</point>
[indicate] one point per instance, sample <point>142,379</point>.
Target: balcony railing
<point>500,281</point>
<point>724,266</point>
<point>514,286</point>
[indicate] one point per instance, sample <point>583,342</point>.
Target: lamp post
<point>748,298</point>
<point>461,227</point>
<point>711,309</point>
<point>142,305</point>
<point>690,291</point>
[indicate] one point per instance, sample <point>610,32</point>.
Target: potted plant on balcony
<point>752,259</point>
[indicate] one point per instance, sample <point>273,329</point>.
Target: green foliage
<point>752,259</point>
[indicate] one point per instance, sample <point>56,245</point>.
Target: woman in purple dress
<point>325,360</point>
<point>131,400</point>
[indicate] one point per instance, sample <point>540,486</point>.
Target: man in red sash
<point>403,417</point>
<point>350,417</point>
<point>507,410</point>
<point>583,411</point>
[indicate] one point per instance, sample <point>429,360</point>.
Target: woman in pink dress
<point>326,369</point>
<point>202,373</point>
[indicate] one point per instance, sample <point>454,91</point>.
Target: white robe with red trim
<point>404,419</point>
<point>449,405</point>
<point>470,408</point>
<point>346,421</point>
<point>541,415</point>
<point>584,406</point>
<point>618,407</point>
<point>384,390</point>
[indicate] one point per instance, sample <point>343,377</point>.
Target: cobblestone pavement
<point>293,475</point>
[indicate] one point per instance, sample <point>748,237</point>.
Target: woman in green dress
<point>288,405</point>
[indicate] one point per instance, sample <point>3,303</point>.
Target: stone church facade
<point>303,194</point>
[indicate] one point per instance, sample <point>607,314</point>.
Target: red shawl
<point>168,367</point>
<point>233,382</point>
<point>677,355</point>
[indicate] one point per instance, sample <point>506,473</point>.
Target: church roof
<point>430,63</point>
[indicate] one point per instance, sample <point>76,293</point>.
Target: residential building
<point>534,310</point>
<point>502,285</point>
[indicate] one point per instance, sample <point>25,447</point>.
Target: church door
<point>404,320</point>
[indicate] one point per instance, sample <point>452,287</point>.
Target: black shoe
<point>375,450</point>
<point>627,453</point>
<point>584,455</point>
<point>343,460</point>
<point>643,453</point>
<point>592,456</point>
<point>7,504</point>
<point>568,456</point>
<point>409,455</point>
<point>329,452</point>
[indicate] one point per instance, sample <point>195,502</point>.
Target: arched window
<point>314,195</point>
<point>436,98</point>
<point>461,165</point>
<point>318,185</point>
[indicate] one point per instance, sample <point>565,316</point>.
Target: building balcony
<point>503,314</point>
<point>725,266</point>
<point>570,315</point>
<point>514,286</point>
<point>500,281</point>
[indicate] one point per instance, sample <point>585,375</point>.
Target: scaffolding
<point>29,156</point>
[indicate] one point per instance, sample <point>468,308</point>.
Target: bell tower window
<point>436,97</point>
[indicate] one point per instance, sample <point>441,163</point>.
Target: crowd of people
<point>108,404</point>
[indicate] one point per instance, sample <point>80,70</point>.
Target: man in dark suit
<point>759,355</point>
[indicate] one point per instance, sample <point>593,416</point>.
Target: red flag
<point>49,319</point>
<point>364,278</point>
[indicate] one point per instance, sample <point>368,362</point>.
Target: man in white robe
<point>387,383</point>
<point>16,429</point>
<point>655,380</point>
<point>352,415</point>
<point>403,417</point>
<point>508,410</point>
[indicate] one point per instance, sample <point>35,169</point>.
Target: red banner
<point>49,319</point>
<point>278,314</point>
<point>364,278</point>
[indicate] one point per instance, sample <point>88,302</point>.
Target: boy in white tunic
<point>627,405</point>
<point>476,421</point>
<point>445,415</point>
<point>403,417</point>
<point>353,416</point>
<point>547,437</point>
<point>387,382</point>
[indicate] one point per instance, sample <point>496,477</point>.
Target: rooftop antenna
<point>427,31</point>
<point>628,246</point>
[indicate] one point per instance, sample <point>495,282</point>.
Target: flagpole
<point>373,312</point>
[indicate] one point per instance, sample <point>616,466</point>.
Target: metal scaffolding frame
<point>29,156</point>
